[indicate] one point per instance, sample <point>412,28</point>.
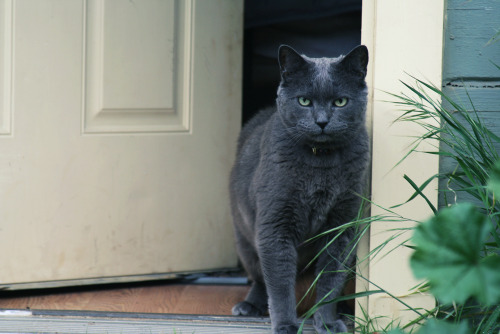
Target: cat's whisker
<point>295,136</point>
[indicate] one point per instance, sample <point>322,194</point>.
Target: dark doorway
<point>316,28</point>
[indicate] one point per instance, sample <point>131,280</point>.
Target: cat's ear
<point>357,60</point>
<point>290,61</point>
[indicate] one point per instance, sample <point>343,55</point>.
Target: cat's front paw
<point>337,327</point>
<point>288,329</point>
<point>244,308</point>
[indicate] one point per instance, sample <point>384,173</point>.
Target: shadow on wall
<point>316,28</point>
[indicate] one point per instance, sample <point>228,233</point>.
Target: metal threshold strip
<point>200,277</point>
<point>51,322</point>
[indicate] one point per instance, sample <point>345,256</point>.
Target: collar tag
<point>318,151</point>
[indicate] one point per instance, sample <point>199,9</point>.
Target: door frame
<point>399,44</point>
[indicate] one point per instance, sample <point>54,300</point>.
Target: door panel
<point>138,66</point>
<point>124,123</point>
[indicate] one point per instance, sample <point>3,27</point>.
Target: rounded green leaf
<point>434,326</point>
<point>448,252</point>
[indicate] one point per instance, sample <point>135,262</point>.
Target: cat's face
<point>322,100</point>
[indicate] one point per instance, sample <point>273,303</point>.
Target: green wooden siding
<point>468,71</point>
<point>469,26</point>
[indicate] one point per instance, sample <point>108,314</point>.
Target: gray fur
<point>282,193</point>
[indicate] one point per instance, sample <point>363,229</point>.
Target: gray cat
<point>299,169</point>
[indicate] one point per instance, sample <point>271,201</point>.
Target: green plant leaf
<point>434,326</point>
<point>494,39</point>
<point>449,254</point>
<point>419,191</point>
<point>494,182</point>
<point>491,322</point>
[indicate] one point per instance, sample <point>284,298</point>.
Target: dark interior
<point>316,28</point>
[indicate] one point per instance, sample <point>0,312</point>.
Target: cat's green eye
<point>304,102</point>
<point>340,102</point>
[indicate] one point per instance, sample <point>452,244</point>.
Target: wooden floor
<point>153,297</point>
<point>159,299</point>
<point>162,297</point>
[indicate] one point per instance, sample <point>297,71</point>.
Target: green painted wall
<point>467,57</point>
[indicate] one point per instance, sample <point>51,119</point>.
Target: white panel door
<point>118,125</point>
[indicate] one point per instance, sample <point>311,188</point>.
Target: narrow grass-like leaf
<point>467,141</point>
<point>494,39</point>
<point>492,322</point>
<point>311,312</point>
<point>418,191</point>
<point>494,181</point>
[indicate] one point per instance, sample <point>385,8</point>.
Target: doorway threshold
<point>89,322</point>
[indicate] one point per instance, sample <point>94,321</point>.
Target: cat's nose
<point>322,124</point>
